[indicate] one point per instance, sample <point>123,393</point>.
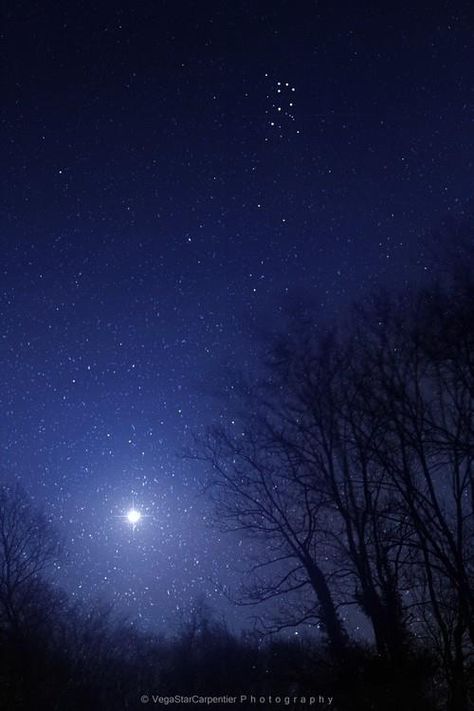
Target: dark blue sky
<point>174,173</point>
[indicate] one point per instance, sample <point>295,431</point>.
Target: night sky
<point>174,174</point>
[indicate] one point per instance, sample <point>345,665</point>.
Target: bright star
<point>133,516</point>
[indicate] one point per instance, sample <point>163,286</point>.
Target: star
<point>133,516</point>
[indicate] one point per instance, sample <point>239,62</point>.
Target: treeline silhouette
<point>347,470</point>
<point>57,654</point>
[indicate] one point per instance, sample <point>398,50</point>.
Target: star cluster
<point>282,108</point>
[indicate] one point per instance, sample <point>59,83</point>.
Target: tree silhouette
<point>352,465</point>
<point>28,548</point>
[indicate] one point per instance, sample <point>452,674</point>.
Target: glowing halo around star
<point>133,516</point>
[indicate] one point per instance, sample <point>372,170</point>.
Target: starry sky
<point>173,175</point>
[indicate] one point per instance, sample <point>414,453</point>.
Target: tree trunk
<point>336,634</point>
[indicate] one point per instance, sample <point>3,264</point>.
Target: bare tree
<point>419,355</point>
<point>352,466</point>
<point>260,491</point>
<point>329,431</point>
<point>28,549</point>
